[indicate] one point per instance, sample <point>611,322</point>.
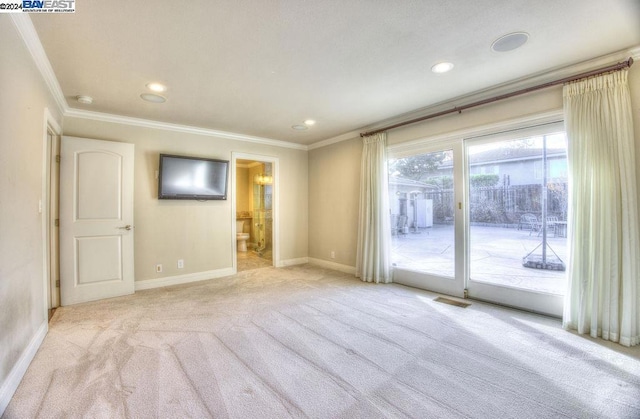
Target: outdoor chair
<point>531,222</point>
<point>552,224</point>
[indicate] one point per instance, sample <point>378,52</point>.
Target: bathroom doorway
<point>254,211</point>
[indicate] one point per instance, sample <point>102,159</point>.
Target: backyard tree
<point>441,182</point>
<point>418,167</point>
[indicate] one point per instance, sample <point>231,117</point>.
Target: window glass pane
<point>422,210</point>
<point>518,213</point>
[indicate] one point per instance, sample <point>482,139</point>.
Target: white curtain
<point>603,296</point>
<point>374,230</point>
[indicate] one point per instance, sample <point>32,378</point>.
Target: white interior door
<point>96,220</point>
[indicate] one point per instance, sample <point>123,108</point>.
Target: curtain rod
<point>459,109</point>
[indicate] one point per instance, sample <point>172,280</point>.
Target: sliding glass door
<point>424,189</point>
<point>517,220</point>
<point>485,217</point>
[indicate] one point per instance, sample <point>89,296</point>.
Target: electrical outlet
<point>180,263</point>
<point>159,268</point>
<point>333,254</point>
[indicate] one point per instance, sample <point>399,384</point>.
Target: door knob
<point>127,227</point>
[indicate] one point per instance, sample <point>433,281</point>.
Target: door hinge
<point>57,283</point>
<point>57,158</point>
<point>466,293</point>
<point>56,222</point>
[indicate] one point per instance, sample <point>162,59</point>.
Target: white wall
<point>23,99</point>
<point>198,232</point>
<point>334,170</point>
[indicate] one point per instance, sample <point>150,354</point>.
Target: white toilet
<point>241,236</point>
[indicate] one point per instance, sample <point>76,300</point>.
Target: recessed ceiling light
<point>510,41</point>
<point>87,100</point>
<point>299,127</point>
<point>442,67</point>
<point>309,122</point>
<point>156,87</point>
<point>150,97</point>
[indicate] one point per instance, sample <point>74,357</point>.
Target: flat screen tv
<point>182,177</point>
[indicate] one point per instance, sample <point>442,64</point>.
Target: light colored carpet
<point>308,342</point>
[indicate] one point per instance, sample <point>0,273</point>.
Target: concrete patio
<point>495,255</point>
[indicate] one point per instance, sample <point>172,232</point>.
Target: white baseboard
<point>333,265</point>
<point>291,262</point>
<point>12,382</point>
<point>182,279</point>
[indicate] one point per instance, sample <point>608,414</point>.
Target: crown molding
<point>28,33</point>
<point>531,80</point>
<point>147,123</point>
<point>511,86</point>
<point>337,139</point>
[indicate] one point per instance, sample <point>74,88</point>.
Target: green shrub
<point>487,211</point>
<point>483,181</point>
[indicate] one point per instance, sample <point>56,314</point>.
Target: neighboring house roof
<point>511,154</point>
<point>403,181</point>
<point>502,155</point>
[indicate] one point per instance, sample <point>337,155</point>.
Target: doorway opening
<point>254,213</point>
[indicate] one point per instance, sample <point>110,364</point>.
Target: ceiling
<point>258,67</point>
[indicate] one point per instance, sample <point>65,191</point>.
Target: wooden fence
<point>502,205</point>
